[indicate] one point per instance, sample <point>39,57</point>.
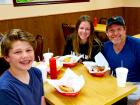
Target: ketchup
<point>95,21</point>
<point>53,70</point>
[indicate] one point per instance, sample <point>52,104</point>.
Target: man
<point>123,50</point>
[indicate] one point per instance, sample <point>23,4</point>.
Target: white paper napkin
<point>73,60</point>
<point>43,68</point>
<point>69,79</point>
<point>100,60</point>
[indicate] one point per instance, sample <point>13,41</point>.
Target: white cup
<point>121,74</point>
<point>47,56</point>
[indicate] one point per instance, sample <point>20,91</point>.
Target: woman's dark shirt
<point>83,48</point>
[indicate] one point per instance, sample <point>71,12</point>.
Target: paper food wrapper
<point>69,79</point>
<point>99,61</point>
<point>73,59</point>
<point>42,67</point>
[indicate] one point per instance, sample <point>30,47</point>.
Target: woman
<point>83,40</point>
<point>21,84</point>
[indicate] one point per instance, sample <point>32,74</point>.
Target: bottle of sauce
<point>53,69</point>
<point>95,21</point>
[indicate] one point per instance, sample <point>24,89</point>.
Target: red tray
<point>70,64</point>
<point>68,94</point>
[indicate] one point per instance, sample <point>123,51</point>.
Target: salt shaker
<point>53,70</point>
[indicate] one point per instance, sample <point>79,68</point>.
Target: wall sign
<point>42,2</point>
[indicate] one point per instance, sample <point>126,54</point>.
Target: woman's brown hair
<point>91,38</point>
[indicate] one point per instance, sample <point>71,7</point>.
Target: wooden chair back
<point>102,20</point>
<point>39,48</point>
<point>67,29</point>
<point>4,65</point>
<point>101,35</point>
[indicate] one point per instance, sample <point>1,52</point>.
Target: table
<point>100,28</point>
<point>96,91</point>
<point>136,36</point>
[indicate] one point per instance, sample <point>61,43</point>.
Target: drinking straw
<point>38,58</point>
<point>84,57</point>
<point>71,52</point>
<point>48,49</point>
<point>121,63</point>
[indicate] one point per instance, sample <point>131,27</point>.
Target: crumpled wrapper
<point>99,61</point>
<point>69,79</point>
<point>42,67</point>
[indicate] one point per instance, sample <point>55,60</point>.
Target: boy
<point>21,84</point>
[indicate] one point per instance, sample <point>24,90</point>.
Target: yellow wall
<point>9,12</point>
<point>131,3</point>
